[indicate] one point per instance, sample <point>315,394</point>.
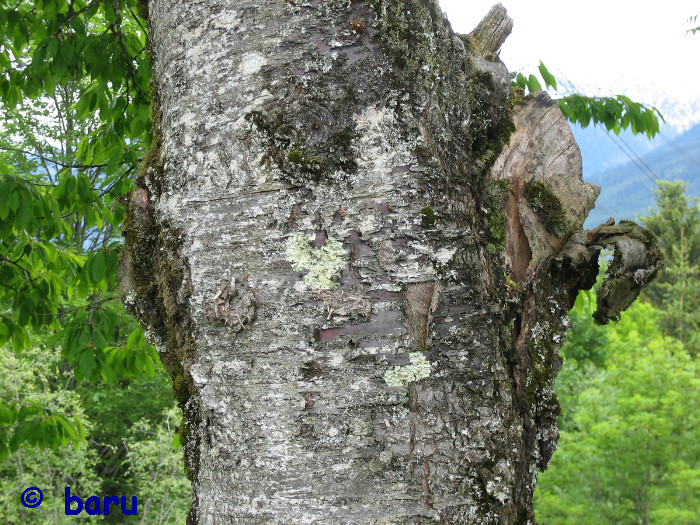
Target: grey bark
<point>358,295</point>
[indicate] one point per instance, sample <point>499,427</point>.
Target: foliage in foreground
<point>629,450</point>
<point>74,84</point>
<point>129,449</point>
<point>35,377</point>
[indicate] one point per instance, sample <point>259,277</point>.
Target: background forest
<point>84,401</point>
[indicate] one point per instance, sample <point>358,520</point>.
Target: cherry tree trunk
<point>354,250</point>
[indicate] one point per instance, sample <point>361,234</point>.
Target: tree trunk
<point>357,293</point>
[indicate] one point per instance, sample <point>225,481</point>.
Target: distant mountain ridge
<point>625,190</point>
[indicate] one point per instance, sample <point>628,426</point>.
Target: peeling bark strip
<point>419,301</point>
<point>342,161</point>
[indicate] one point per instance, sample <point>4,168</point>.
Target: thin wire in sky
<point>648,174</point>
<point>680,150</point>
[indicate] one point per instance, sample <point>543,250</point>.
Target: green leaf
<point>51,48</point>
<point>16,439</point>
<point>85,189</point>
<point>13,199</point>
<point>4,333</point>
<point>26,308</point>
<point>115,160</point>
<point>79,26</point>
<point>98,339</point>
<point>533,84</point>
<point>40,53</point>
<point>109,374</point>
<point>549,79</point>
<point>24,215</point>
<point>98,267</point>
<point>67,52</point>
<point>4,206</point>
<point>135,338</point>
<point>68,428</point>
<point>80,429</point>
<point>87,363</point>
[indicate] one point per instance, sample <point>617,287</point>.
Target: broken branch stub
<point>546,209</point>
<point>549,201</point>
<point>551,257</point>
<point>492,31</point>
<point>636,261</point>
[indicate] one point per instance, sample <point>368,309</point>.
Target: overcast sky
<point>605,47</point>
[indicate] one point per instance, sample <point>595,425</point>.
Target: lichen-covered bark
<point>337,269</point>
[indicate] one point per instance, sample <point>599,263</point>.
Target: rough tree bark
<point>355,275</point>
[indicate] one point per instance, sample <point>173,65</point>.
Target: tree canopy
<point>74,82</point>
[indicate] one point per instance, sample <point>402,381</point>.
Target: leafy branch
<point>615,113</point>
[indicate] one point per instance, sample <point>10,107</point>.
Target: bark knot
<point>234,304</point>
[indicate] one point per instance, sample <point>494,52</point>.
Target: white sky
<point>605,47</point>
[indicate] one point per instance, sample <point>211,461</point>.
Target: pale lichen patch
<point>322,263</point>
<point>251,63</point>
<point>419,369</point>
<point>444,255</point>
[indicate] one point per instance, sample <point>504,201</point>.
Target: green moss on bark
<point>299,159</point>
<point>492,129</point>
<point>142,8</point>
<point>151,174</point>
<point>428,217</point>
<point>495,196</point>
<point>157,275</point>
<point>547,206</point>
<point>462,117</point>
